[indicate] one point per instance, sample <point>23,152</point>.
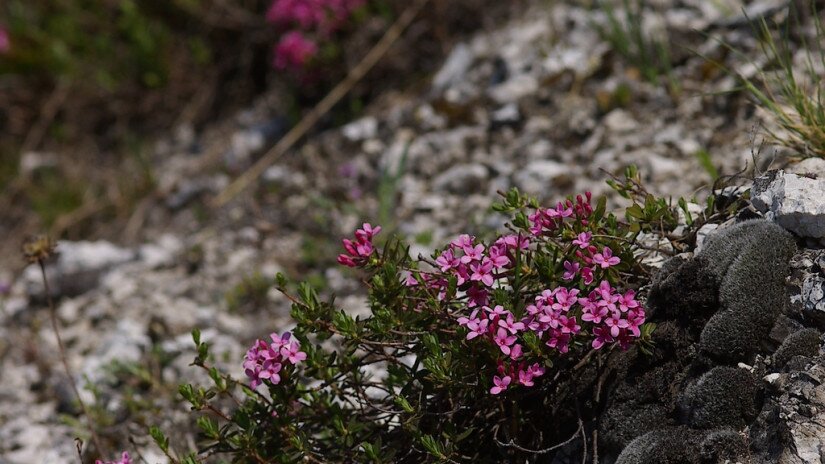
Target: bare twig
<point>512,443</point>
<point>595,446</point>
<point>65,361</point>
<point>326,104</point>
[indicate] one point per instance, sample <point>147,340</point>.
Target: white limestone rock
<point>796,203</point>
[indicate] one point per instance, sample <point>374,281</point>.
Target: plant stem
<point>62,349</point>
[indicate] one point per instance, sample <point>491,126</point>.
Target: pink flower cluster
<point>522,373</point>
<point>294,51</point>
<point>304,18</point>
<point>555,317</point>
<point>325,16</point>
<point>265,361</point>
<point>590,260</point>
<point>124,459</point>
<point>547,220</point>
<point>475,266</point>
<point>359,250</point>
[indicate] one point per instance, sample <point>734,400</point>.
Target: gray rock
<point>362,129</point>
<point>464,178</point>
<point>813,297</point>
<point>703,234</point>
<point>815,166</point>
<point>507,115</point>
<point>514,88</point>
<point>794,202</point>
<point>792,430</point>
<point>124,344</point>
<point>78,268</point>
<point>538,176</point>
<point>454,69</point>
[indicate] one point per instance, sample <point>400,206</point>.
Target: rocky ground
<point>541,103</point>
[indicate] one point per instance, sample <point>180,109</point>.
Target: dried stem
<point>64,359</point>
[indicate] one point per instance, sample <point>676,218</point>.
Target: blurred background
<point>87,88</point>
<point>123,121</point>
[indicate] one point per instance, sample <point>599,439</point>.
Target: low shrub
<point>463,355</point>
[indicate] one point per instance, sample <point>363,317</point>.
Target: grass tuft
<point>793,95</point>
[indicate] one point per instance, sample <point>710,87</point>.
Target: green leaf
<point>433,446</point>
<point>706,162</point>
<point>345,324</point>
<point>160,439</point>
<point>601,206</point>
<point>209,427</point>
<point>402,403</point>
<point>430,341</point>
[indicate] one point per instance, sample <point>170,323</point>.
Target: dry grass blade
<point>793,97</point>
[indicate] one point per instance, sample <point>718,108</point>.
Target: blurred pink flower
<point>294,51</point>
<point>5,42</point>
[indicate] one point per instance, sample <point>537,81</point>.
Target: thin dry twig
<point>512,443</point>
<point>64,360</point>
<point>324,106</point>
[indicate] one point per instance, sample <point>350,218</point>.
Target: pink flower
<point>605,292</point>
<point>559,340</point>
<point>500,384</point>
<point>635,318</point>
<point>410,281</point>
<point>587,276</point>
<point>264,361</point>
<point>615,322</point>
<point>280,341</point>
<point>477,296</point>
<point>472,253</point>
<point>594,313</point>
<point>525,377</point>
<point>367,232</point>
<point>568,325</point>
<point>358,251</point>
<point>504,340</point>
<point>537,370</point>
<point>583,240</point>
<point>565,299</point>
<point>514,241</point>
<point>294,51</point>
<point>482,271</point>
<point>515,352</point>
<point>602,335</point>
<point>477,327</point>
<point>570,270</point>
<point>498,256</point>
<point>564,210</point>
<point>305,13</point>
<point>5,41</point>
<point>627,301</point>
<point>124,459</point>
<point>498,310</point>
<point>510,325</point>
<point>463,241</point>
<point>463,321</point>
<point>606,259</point>
<point>293,353</point>
<point>447,261</point>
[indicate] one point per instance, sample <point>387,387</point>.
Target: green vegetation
<point>792,94</point>
<point>249,294</point>
<point>625,33</point>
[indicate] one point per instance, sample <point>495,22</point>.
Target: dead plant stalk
<point>62,349</point>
